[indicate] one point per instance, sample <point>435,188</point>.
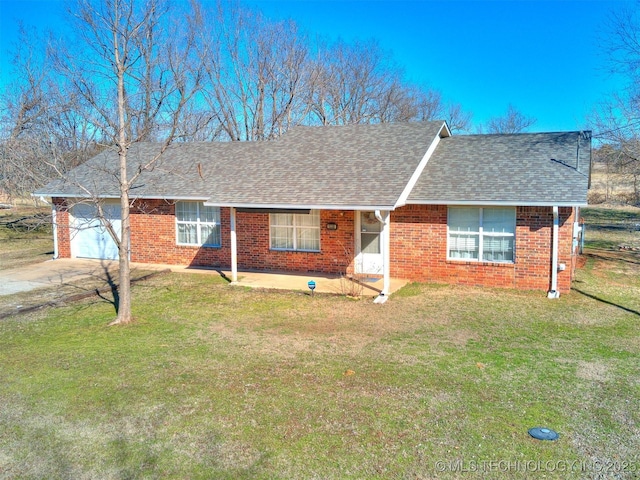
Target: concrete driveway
<point>54,273</point>
<point>62,272</point>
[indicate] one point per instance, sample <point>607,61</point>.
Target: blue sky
<point>543,57</point>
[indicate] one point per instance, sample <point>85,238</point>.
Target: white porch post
<point>553,292</point>
<point>234,246</point>
<point>385,218</point>
<point>54,223</point>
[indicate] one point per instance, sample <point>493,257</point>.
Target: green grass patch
<point>216,382</point>
<point>212,381</point>
<point>25,236</point>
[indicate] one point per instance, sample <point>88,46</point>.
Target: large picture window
<point>197,224</point>
<point>481,234</point>
<point>295,231</point>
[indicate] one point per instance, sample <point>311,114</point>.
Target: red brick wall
<point>419,250</point>
<point>154,238</point>
<point>156,220</point>
<point>418,245</point>
<point>336,246</point>
<point>62,228</point>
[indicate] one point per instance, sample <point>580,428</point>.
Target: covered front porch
<point>331,284</point>
<point>366,245</point>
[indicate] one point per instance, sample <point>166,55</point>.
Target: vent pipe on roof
<point>578,151</point>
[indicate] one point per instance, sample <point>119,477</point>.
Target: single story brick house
<point>406,201</point>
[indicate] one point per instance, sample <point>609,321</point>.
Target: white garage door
<point>89,237</point>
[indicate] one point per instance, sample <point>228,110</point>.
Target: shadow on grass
<point>608,302</point>
<point>223,275</point>
<point>113,287</point>
<point>618,257</point>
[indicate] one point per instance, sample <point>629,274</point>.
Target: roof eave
<point>109,197</point>
<point>300,206</point>
<point>501,203</point>
<point>443,132</point>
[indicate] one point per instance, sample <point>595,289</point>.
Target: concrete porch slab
<point>292,281</point>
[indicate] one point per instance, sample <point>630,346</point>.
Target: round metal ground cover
<point>542,433</point>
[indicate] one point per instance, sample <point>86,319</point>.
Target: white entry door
<point>369,239</point>
<point>89,237</point>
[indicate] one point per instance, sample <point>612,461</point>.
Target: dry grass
<point>213,381</point>
<point>25,242</point>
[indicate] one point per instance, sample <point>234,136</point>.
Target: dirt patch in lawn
<point>95,287</point>
<point>594,371</point>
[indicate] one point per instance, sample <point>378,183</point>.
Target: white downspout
<point>386,255</point>
<point>234,246</point>
<point>554,293</point>
<point>54,222</point>
<point>54,227</point>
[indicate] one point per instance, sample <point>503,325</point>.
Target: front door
<point>369,232</point>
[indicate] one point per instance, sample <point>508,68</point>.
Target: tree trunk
<point>124,284</point>
<point>124,287</point>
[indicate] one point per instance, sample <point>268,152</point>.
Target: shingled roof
<point>509,169</point>
<point>348,167</point>
<point>359,167</point>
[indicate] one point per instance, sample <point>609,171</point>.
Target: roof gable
<point>359,167</point>
<point>515,169</point>
<point>354,166</point>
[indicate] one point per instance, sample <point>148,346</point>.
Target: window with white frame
<point>482,234</point>
<point>197,224</point>
<point>295,231</point>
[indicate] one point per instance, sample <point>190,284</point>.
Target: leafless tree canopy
<point>616,121</point>
<point>169,71</point>
<point>511,122</point>
<point>255,78</point>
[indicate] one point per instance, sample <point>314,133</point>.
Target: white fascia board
<point>289,206</point>
<point>83,196</point>
<point>133,197</point>
<point>402,200</point>
<point>170,197</point>
<point>500,203</point>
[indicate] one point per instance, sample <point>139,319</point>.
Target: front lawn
<point>25,236</point>
<point>213,381</point>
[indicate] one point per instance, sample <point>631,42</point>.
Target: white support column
<point>234,246</point>
<point>553,292</point>
<point>384,217</point>
<point>54,223</point>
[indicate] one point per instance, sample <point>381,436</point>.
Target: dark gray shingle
<point>523,169</point>
<point>364,166</point>
<point>355,165</point>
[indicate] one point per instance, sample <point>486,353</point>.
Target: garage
<point>89,237</point>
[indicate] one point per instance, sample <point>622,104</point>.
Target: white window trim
<point>198,224</point>
<point>481,235</point>
<point>295,227</point>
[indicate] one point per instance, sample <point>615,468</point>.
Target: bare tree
<point>37,123</point>
<point>256,74</point>
<point>511,122</point>
<point>616,121</point>
<point>360,83</point>
<point>132,70</point>
<point>356,83</point>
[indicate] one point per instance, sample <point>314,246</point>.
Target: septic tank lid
<point>542,433</point>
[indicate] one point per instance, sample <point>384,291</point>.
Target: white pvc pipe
<point>554,293</point>
<point>54,222</point>
<point>234,246</point>
<point>386,255</point>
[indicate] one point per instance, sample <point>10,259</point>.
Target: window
<point>197,224</point>
<point>481,234</point>
<point>295,231</point>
